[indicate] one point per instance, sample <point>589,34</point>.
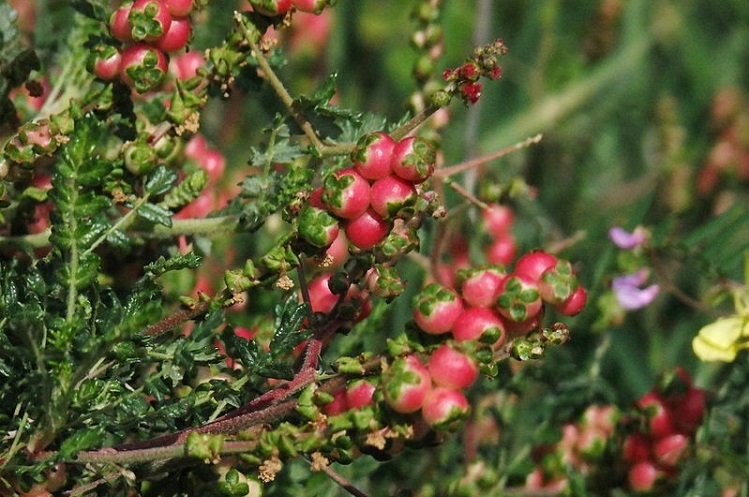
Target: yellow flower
<point>722,339</point>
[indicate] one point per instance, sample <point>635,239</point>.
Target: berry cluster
<point>368,197</point>
<point>582,447</point>
<point>642,450</point>
<point>666,420</point>
<point>464,80</point>
<point>149,30</point>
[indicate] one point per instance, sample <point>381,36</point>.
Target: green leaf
<point>160,180</point>
<point>155,214</point>
<point>81,440</point>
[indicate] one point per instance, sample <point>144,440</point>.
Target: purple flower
<point>628,292</point>
<point>626,240</point>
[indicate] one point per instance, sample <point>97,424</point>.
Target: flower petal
<point>626,240</point>
<point>718,341</point>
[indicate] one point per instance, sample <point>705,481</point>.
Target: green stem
<point>121,224</point>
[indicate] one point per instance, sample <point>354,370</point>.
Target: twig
<point>278,86</point>
<point>343,482</point>
<point>446,172</point>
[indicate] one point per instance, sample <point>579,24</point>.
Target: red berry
<point>643,476</point>
<point>451,369</point>
<point>196,147</point>
<point>338,405</point>
<point>391,196</point>
<point>534,264</point>
<point>150,20</point>
<point>178,8</point>
<point>413,159</point>
<point>214,163</point>
<point>406,384</point>
<point>497,219</point>
<point>360,393</point>
<point>436,308</point>
<point>659,416</point>
<point>479,323</point>
<point>366,230</point>
<point>502,250</point>
<point>119,25</point>
<point>574,304</point>
<point>480,288</point>
<point>518,298</point>
<point>636,448</point>
<point>346,193</point>
<point>143,67</point>
<point>176,36</point>
<point>522,328</point>
<point>444,407</point>
<point>108,68</point>
<point>689,411</point>
<point>669,450</point>
<point>372,155</point>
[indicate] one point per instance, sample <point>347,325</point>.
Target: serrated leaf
<point>119,240</point>
<point>160,181</point>
<point>174,263</point>
<point>155,214</point>
<point>289,317</point>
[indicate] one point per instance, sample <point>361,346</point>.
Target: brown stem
<point>343,482</point>
<point>446,172</point>
<point>280,90</point>
<point>175,319</point>
<point>414,122</point>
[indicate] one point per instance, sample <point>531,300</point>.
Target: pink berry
<point>320,296</point>
<point>502,250</point>
<point>444,407</point>
<point>213,163</point>
<point>534,264</point>
<point>186,65</point>
<point>143,67</point>
<point>108,68</point>
<point>359,394</point>
<point>150,20</point>
<point>518,298</point>
<point>643,476</point>
<point>196,147</point>
<point>480,287</point>
<point>366,230</point>
<point>522,328</point>
<point>178,8</point>
<point>558,283</point>
<point>372,155</point>
<point>317,226</point>
<point>391,196</point>
<point>479,323</point>
<point>413,159</point>
<point>498,219</point>
<point>346,193</point>
<point>436,308</point>
<point>669,450</point>
<point>119,25</point>
<point>406,384</point>
<point>176,36</point>
<point>451,369</point>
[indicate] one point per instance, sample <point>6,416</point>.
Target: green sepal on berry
<point>317,227</point>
